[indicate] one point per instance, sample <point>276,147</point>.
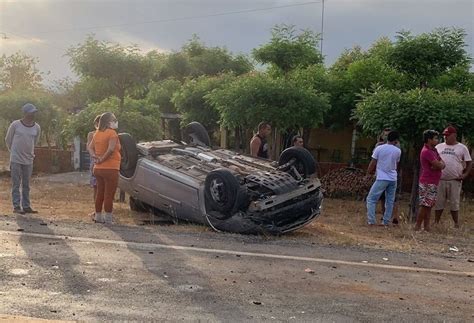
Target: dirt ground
<point>68,197</point>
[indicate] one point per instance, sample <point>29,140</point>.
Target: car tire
<point>304,161</point>
<point>137,205</point>
<point>222,192</point>
<point>129,154</point>
<point>195,130</point>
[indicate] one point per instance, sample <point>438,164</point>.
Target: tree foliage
<point>414,111</point>
<point>19,72</point>
<point>196,59</point>
<point>71,95</point>
<point>458,78</point>
<point>288,103</point>
<point>190,100</point>
<point>288,49</point>
<point>315,76</point>
<point>426,56</point>
<point>49,117</point>
<point>124,69</point>
<point>355,71</point>
<point>206,60</point>
<point>174,65</point>
<point>421,59</point>
<point>137,118</point>
<point>438,56</point>
<point>161,94</point>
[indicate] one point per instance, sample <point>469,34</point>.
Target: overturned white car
<point>220,188</point>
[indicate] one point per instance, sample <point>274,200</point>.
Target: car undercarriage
<point>221,188</point>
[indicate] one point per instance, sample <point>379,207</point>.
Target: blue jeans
<point>390,187</point>
<point>21,175</point>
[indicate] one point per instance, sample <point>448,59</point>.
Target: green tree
<point>50,118</point>
<point>161,94</point>
<point>190,100</point>
<point>315,76</point>
<point>426,56</point>
<point>174,65</point>
<point>355,71</point>
<point>196,59</point>
<point>71,95</point>
<point>206,60</point>
<point>422,59</point>
<point>288,49</point>
<point>124,69</point>
<point>411,113</point>
<point>137,118</point>
<point>288,103</point>
<point>414,111</point>
<point>19,72</point>
<point>458,78</point>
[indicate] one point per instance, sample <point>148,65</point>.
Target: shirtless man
<point>258,144</point>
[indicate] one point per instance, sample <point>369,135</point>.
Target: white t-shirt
<point>388,157</point>
<point>455,158</point>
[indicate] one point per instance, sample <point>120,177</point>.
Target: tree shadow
<point>182,276</point>
<point>61,257</point>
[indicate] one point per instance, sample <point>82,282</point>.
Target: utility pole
<point>322,28</point>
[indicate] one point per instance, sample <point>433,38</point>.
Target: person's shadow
<point>52,255</point>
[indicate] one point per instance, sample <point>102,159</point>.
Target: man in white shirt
<point>385,159</point>
<point>21,138</point>
<point>458,166</point>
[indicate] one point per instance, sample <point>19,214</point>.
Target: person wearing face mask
<point>21,138</point>
<point>105,151</point>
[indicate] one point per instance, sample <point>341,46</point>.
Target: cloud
<point>58,24</point>
<point>124,39</point>
<point>12,43</point>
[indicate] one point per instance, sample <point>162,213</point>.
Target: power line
<point>179,18</point>
<point>16,34</point>
<point>29,38</point>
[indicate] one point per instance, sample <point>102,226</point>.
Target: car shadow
<point>72,278</point>
<point>182,276</point>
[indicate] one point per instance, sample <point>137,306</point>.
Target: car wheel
<point>137,205</point>
<point>221,191</point>
<point>129,155</point>
<point>195,133</point>
<point>300,158</point>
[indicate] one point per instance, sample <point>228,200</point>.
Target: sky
<point>47,28</point>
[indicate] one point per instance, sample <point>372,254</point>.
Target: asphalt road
<point>74,271</point>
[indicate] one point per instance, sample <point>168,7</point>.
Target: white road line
<point>148,246</point>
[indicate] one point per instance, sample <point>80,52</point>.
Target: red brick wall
<point>52,161</point>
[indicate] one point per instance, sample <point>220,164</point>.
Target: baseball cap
<point>29,108</point>
<point>449,130</point>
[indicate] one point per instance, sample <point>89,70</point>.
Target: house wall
<point>335,146</point>
<point>52,160</point>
